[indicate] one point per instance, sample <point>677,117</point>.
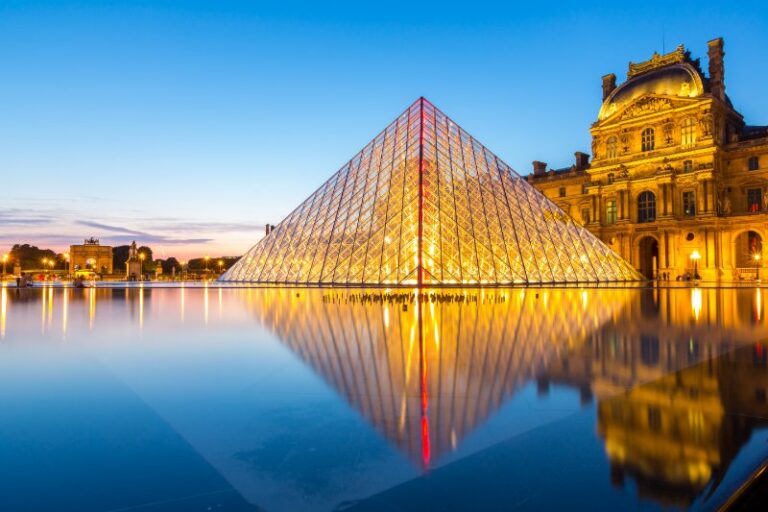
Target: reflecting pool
<point>206,398</point>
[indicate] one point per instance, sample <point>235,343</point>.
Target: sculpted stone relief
<point>646,105</point>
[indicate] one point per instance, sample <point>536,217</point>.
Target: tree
<point>119,257</point>
<point>169,264</point>
<point>31,257</point>
<point>147,252</point>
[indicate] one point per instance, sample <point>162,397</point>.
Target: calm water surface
<point>154,399</point>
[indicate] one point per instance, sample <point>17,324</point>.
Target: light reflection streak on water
<point>64,313</point>
<point>141,308</point>
<point>696,303</point>
<point>43,305</point>
<point>3,310</point>
<point>50,306</point>
<point>91,307</point>
<point>182,302</point>
<point>205,300</point>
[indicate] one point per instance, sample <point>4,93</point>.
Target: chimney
<point>609,84</point>
<point>539,168</point>
<point>582,160</point>
<point>716,68</point>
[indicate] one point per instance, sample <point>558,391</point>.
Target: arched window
<point>646,207</point>
<point>610,147</point>
<point>648,140</point>
<point>688,132</point>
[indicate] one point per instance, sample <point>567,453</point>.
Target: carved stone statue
<point>727,206</point>
<point>765,201</point>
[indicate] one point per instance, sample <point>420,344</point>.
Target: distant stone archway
<point>648,256</point>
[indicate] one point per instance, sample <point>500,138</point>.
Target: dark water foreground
<point>247,399</point>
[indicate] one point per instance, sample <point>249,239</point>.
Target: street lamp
<point>206,262</point>
<point>183,271</point>
<point>221,264</point>
<point>695,256</point>
<point>5,260</point>
<point>141,257</point>
<point>66,260</point>
<point>756,257</point>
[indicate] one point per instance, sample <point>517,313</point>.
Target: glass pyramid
<point>426,204</point>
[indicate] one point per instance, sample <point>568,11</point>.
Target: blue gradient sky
<point>189,124</point>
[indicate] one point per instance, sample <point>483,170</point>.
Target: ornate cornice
<point>658,61</point>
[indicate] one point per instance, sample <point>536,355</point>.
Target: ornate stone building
<point>678,183</point>
<point>90,256</point>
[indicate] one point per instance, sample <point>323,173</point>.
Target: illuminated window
<point>611,177</point>
<point>648,139</point>
<point>610,212</point>
<point>754,199</point>
<point>688,132</point>
<point>610,147</point>
<point>688,166</point>
<point>561,191</point>
<point>689,203</point>
<point>753,163</point>
<point>646,207</point>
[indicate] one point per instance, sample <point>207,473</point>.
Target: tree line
<point>31,257</point>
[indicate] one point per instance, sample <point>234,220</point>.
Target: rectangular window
<point>585,215</point>
<point>688,132</point>
<point>754,199</point>
<point>688,166</point>
<point>753,163</point>
<point>689,203</point>
<point>562,191</point>
<point>610,212</point>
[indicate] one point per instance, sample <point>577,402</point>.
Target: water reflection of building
<point>680,433</point>
<point>428,376</point>
<point>666,376</point>
<point>664,366</point>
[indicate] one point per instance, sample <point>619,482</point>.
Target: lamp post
<point>5,260</point>
<point>141,258</point>
<point>695,256</point>
<point>221,264</point>
<point>756,257</point>
<point>206,263</point>
<point>45,267</point>
<point>183,270</point>
<point>67,263</point>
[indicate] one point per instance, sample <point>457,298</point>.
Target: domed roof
<point>680,79</point>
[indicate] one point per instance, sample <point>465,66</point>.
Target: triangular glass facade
<point>426,204</point>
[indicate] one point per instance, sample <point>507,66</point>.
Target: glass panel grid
<point>425,203</point>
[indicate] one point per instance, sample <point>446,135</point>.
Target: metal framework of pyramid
<point>426,204</point>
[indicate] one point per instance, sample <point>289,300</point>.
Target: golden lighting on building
<point>399,213</point>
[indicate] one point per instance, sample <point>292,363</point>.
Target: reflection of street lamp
<point>695,256</point>
<point>756,257</point>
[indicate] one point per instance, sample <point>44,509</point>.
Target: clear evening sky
<point>187,125</point>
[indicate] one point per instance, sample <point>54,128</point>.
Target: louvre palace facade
<point>678,182</point>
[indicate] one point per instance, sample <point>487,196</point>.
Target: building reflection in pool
<point>427,372</point>
<point>675,396</point>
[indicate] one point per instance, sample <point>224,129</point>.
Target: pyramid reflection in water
<point>426,375</point>
<point>425,203</point>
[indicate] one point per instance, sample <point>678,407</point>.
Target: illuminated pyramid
<point>425,203</point>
